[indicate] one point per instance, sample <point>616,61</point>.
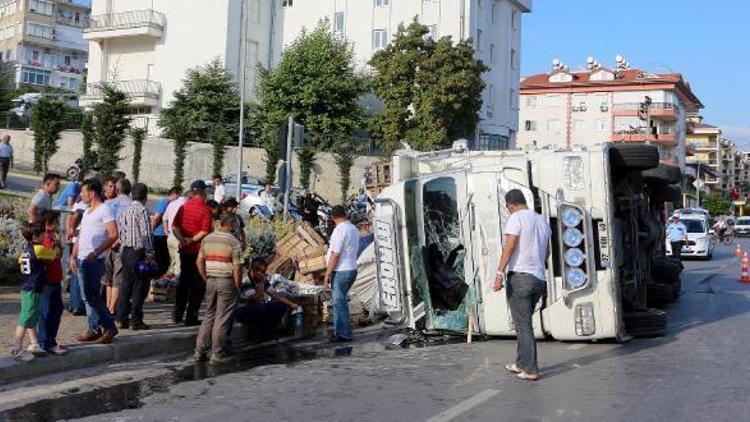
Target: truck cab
<point>439,235</point>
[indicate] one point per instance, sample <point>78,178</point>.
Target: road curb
<point>86,355</point>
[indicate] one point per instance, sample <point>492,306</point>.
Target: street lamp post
<point>241,134</point>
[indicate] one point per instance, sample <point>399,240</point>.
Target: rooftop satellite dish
<point>619,59</point>
<point>590,60</point>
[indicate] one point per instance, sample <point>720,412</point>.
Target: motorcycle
<point>74,172</point>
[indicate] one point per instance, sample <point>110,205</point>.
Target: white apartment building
<point>147,45</point>
<point>494,25</point>
<point>567,108</point>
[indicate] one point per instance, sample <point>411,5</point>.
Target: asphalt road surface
<point>23,184</point>
<point>698,372</point>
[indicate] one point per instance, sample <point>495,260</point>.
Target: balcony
<point>142,92</point>
<point>667,139</point>
<point>665,111</point>
<point>135,23</point>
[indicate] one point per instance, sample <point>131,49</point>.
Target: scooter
<point>74,172</point>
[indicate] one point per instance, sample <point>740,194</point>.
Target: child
<point>230,205</point>
<point>51,306</point>
<point>33,265</point>
<point>215,212</point>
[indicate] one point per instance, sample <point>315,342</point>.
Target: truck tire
<point>633,157</point>
<point>669,193</point>
<point>648,323</point>
<point>665,270</point>
<point>659,294</point>
<point>676,289</point>
<point>663,173</point>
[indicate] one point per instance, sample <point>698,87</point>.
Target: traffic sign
<point>699,184</point>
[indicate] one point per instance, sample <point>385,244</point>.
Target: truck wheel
<point>648,323</point>
<point>665,270</point>
<point>634,156</point>
<point>659,294</point>
<point>670,193</point>
<point>664,173</point>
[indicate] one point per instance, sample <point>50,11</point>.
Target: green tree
<point>88,134</point>
<point>206,107</point>
<point>717,204</point>
<point>431,90</point>
<point>47,121</point>
<point>110,123</point>
<point>344,152</point>
<point>317,84</point>
<point>138,135</point>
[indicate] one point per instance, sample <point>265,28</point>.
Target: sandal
<point>527,376</point>
<point>512,368</point>
<point>58,350</point>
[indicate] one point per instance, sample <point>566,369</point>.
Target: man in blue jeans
<point>341,271</point>
<point>98,233</point>
<point>525,252</point>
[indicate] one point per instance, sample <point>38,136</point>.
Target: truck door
<point>495,310</point>
<point>441,264</point>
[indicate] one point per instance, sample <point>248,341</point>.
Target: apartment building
<point>41,42</point>
<point>705,142</point>
<point>145,47</point>
<point>493,25</point>
<point>600,104</point>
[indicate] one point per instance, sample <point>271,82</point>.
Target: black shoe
<point>192,322</point>
<point>200,357</point>
<point>79,313</point>
<point>337,339</point>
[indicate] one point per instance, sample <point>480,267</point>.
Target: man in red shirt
<point>191,224</point>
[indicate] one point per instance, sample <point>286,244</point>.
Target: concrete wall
<point>158,159</point>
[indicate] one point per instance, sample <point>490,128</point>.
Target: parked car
<point>701,243</point>
<point>250,185</point>
<point>742,226</point>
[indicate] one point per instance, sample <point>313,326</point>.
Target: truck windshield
<point>695,226</point>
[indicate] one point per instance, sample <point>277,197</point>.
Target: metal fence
<point>12,120</point>
<point>130,19</point>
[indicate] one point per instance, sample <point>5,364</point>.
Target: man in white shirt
<point>220,192</point>
<point>172,243</point>
<point>525,252</point>
<point>97,234</point>
<point>6,159</point>
<point>341,271</point>
<point>677,233</point>
<point>42,201</point>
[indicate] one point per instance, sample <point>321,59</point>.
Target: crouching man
<point>265,307</point>
<point>219,264</point>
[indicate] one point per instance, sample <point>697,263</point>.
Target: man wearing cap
<point>677,234</point>
<point>192,223</point>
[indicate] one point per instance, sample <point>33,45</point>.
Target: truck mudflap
<point>389,261</point>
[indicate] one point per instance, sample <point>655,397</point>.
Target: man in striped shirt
<point>219,264</point>
<point>136,245</point>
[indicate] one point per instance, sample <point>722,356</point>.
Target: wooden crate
<point>311,265</point>
<point>307,232</point>
<point>162,294</point>
<point>292,246</point>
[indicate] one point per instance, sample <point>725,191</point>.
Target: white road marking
<point>577,346</point>
<point>464,406</point>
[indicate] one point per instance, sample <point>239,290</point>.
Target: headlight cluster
<point>574,246</point>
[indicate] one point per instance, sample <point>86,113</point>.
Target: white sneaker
<point>36,350</point>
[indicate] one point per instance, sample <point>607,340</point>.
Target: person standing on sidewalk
<point>172,243</point>
<point>113,263</point>
<point>161,248</point>
<point>6,160</point>
<point>220,266</point>
<point>42,201</point>
<point>220,191</point>
<point>677,234</point>
<point>192,223</point>
<point>525,252</point>
<point>98,233</point>
<point>341,271</point>
<point>51,304</point>
<point>134,229</point>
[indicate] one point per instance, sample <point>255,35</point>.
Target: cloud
<point>740,135</point>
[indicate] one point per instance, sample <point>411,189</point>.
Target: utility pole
<point>241,134</point>
<point>288,164</point>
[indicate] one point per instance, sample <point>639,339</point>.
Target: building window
<point>490,92</point>
<point>554,100</point>
<point>379,38</point>
<point>514,17</point>
<point>381,3</point>
<point>287,3</point>
<point>338,22</point>
<point>601,125</point>
<point>553,126</point>
<point>40,6</point>
<point>42,31</point>
<point>512,99</point>
<point>513,59</point>
<point>494,13</point>
<point>530,126</point>
<point>433,34</point>
<point>35,76</point>
<point>492,53</point>
<point>67,60</point>
<point>579,125</point>
<point>531,101</point>
<point>479,40</point>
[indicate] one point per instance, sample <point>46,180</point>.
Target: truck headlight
<point>576,278</point>
<point>572,237</point>
<point>574,257</point>
<point>572,217</point>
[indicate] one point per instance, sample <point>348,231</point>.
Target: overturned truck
<point>439,233</point>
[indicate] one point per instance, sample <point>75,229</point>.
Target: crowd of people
<point>117,246</point>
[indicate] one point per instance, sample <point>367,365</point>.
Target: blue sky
<point>708,42</point>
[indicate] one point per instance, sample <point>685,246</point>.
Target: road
<point>23,184</point>
<point>698,372</point>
